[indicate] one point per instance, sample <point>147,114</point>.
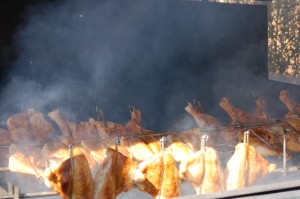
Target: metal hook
<point>246,137</point>
<point>162,142</point>
<point>204,139</point>
<point>72,169</point>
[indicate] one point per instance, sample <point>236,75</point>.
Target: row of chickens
<point>115,158</point>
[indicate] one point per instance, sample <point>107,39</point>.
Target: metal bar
<point>162,143</point>
<point>204,138</point>
<point>40,194</point>
<point>72,170</point>
<point>249,192</point>
<point>117,143</point>
<point>207,129</point>
<point>31,195</point>
<point>16,192</point>
<point>284,154</point>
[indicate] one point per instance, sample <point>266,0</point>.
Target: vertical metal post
<point>246,137</point>
<point>284,153</point>
<point>162,143</point>
<point>117,143</point>
<point>204,138</point>
<point>72,170</point>
<point>16,192</point>
<point>162,147</point>
<point>10,188</point>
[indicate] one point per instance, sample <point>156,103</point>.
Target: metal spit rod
<point>208,129</point>
<point>30,195</point>
<point>204,139</point>
<point>284,153</point>
<point>162,143</point>
<point>246,137</point>
<point>72,170</point>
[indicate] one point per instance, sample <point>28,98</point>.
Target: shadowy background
<point>154,55</point>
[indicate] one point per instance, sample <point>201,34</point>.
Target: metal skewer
<point>162,143</point>
<point>72,170</point>
<point>284,153</point>
<point>246,137</point>
<point>204,139</point>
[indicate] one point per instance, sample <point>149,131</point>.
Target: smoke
<point>154,55</point>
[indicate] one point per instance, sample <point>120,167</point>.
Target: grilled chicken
<point>160,170</point>
<point>95,129</point>
<point>179,149</point>
<point>236,115</point>
<point>201,118</point>
<point>41,129</point>
<point>135,148</point>
<point>291,105</point>
<point>55,153</point>
<point>134,127</point>
<point>108,129</point>
<point>260,113</point>
<point>29,126</point>
<point>114,176</point>
<point>72,179</point>
<point>245,167</point>
<point>138,143</point>
<point>192,170</point>
<point>19,127</point>
<point>213,180</point>
<point>264,141</point>
<point>204,120</point>
<point>96,149</point>
<point>62,123</point>
<point>203,171</point>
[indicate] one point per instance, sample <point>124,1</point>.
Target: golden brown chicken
<point>236,115</point>
<point>55,153</point>
<point>160,170</point>
<point>72,179</point>
<point>260,112</point>
<point>135,148</point>
<point>40,128</point>
<point>203,171</point>
<point>114,176</point>
<point>245,167</point>
<point>213,180</point>
<point>19,127</point>
<point>178,148</point>
<point>62,123</point>
<point>201,118</point>
<point>292,106</point>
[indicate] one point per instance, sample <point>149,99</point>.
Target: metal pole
<point>284,154</point>
<point>246,137</point>
<point>204,138</point>
<point>162,143</point>
<point>117,143</point>
<point>72,169</point>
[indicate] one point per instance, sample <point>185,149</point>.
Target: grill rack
<point>14,191</point>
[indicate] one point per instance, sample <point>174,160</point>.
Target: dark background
<point>154,55</point>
